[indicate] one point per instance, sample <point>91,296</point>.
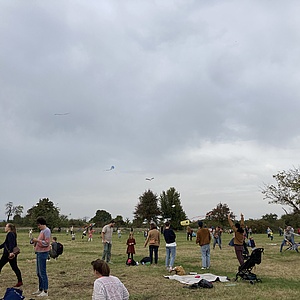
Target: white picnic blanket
<point>190,279</point>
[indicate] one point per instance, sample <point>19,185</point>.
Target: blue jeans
<point>41,258</point>
<point>106,252</point>
<point>170,256</point>
<point>205,251</point>
<point>217,240</point>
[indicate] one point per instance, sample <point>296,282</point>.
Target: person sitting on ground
<point>107,286</point>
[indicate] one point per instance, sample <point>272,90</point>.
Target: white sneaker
<point>43,294</point>
<point>203,268</point>
<point>36,292</point>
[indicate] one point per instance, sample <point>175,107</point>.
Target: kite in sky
<point>64,114</point>
<point>150,178</point>
<point>111,168</point>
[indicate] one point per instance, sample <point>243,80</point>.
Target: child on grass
<point>130,246</point>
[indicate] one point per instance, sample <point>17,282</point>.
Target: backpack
<point>60,249</point>
<point>54,253</point>
<point>130,262</point>
<point>145,260</point>
<point>13,294</point>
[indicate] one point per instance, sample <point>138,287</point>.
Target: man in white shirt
<point>106,235</point>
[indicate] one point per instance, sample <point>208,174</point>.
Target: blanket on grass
<point>190,279</point>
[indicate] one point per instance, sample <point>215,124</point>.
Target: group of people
<point>109,286</point>
<point>41,247</point>
<point>152,240</point>
<point>204,236</point>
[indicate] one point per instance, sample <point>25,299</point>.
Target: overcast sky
<point>201,95</point>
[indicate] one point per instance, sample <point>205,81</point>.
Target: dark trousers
<point>155,250</point>
<point>130,255</point>
<point>239,253</point>
<point>13,263</point>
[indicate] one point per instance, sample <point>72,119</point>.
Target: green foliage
<point>101,218</point>
<point>272,218</point>
<point>292,219</point>
<point>147,208</point>
<point>48,210</point>
<point>9,210</point>
<point>119,221</point>
<point>286,191</point>
<point>170,206</point>
<point>219,215</point>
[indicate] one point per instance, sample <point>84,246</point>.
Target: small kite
<point>111,168</point>
<point>150,178</point>
<point>64,114</point>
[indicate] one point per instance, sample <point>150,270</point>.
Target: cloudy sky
<point>201,95</point>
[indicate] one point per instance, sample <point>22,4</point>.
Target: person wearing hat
<point>203,238</point>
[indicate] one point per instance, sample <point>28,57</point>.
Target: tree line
<point>167,206</point>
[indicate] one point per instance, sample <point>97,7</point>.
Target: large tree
<point>286,191</point>
<point>170,206</point>
<point>219,214</point>
<point>101,218</point>
<point>147,208</point>
<point>44,208</point>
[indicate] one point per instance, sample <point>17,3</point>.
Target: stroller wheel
<point>251,282</point>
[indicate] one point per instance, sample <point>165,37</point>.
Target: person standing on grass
<point>42,248</point>
<point>106,286</point>
<point>106,235</point>
<point>153,239</point>
<point>217,232</point>
<point>203,238</point>
<point>238,240</point>
<point>130,245</point>
<point>8,255</point>
<point>170,238</point>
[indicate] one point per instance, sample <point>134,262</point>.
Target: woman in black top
<point>8,256</point>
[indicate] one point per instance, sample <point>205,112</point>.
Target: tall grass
<point>71,276</point>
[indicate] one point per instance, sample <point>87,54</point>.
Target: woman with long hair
<point>153,239</point>
<point>238,229</point>
<point>8,255</point>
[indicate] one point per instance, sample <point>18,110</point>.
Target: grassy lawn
<point>71,276</point>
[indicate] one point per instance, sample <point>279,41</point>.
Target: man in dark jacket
<point>170,237</point>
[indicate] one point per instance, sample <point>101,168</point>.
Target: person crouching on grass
<point>106,286</point>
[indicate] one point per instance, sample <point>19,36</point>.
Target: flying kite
<point>111,168</point>
<point>64,114</point>
<point>150,178</point>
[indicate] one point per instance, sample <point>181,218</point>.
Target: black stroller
<point>245,269</point>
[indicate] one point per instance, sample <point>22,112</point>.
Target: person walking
<point>203,238</point>
<point>238,240</point>
<point>42,247</point>
<point>8,255</point>
<point>170,238</point>
<point>153,239</point>
<point>106,235</point>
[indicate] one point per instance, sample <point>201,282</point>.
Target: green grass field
<point>71,276</point>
